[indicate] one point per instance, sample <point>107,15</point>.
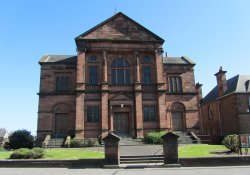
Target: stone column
<point>161,89</point>
<point>81,70</point>
<point>170,149</point>
<point>80,87</point>
<point>112,154</point>
<point>105,110</point>
<point>137,68</point>
<point>139,115</point>
<point>111,120</point>
<point>138,101</point>
<point>105,67</point>
<point>159,66</point>
<point>162,110</point>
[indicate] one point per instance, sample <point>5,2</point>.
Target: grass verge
<point>195,150</point>
<point>72,154</point>
<point>62,154</point>
<point>201,150</point>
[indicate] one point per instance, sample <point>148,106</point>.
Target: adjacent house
<point>3,136</point>
<point>226,108</point>
<point>119,81</point>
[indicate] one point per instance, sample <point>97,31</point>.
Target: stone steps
<point>55,143</point>
<point>145,159</point>
<point>130,142</point>
<point>186,138</point>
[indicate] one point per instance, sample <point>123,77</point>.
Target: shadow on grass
<point>223,152</point>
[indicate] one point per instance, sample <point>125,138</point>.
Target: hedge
<point>25,153</point>
<point>154,137</point>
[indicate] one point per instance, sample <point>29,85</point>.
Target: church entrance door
<point>61,125</point>
<point>177,121</point>
<point>121,124</point>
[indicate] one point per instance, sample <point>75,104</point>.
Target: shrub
<point>154,137</point>
<point>91,142</point>
<point>80,143</point>
<point>21,139</point>
<point>76,143</point>
<point>231,142</point>
<point>38,153</point>
<point>25,153</point>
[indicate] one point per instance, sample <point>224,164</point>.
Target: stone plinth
<point>112,155</point>
<point>170,149</point>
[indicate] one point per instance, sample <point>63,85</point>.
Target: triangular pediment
<point>119,27</point>
<point>121,97</point>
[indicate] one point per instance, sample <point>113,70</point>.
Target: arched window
<point>120,72</point>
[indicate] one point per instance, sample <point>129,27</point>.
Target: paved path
<point>135,150</point>
<point>160,171</point>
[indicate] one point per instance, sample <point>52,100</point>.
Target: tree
<point>21,139</point>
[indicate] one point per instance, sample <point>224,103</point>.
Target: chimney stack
<point>221,81</point>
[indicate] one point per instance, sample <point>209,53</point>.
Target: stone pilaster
<point>138,114</point>
<point>111,120</point>
<point>162,110</point>
<point>159,66</point>
<point>81,71</point>
<point>79,115</point>
<point>138,100</point>
<point>105,67</point>
<point>161,88</point>
<point>104,113</point>
<point>80,86</point>
<point>137,68</point>
<point>105,110</point>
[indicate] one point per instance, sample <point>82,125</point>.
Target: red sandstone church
<point>119,81</point>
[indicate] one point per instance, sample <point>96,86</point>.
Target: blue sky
<point>213,33</point>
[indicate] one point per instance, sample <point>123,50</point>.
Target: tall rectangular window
<point>120,76</point>
<point>62,83</point>
<point>175,84</point>
<point>146,79</point>
<point>93,114</point>
<point>93,79</point>
<point>120,72</point>
<point>149,113</point>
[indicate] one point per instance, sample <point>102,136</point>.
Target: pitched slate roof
<point>120,14</point>
<point>236,84</point>
<point>58,59</point>
<point>178,60</point>
<point>2,132</point>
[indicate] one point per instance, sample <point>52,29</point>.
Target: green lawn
<point>200,150</point>
<point>196,150</point>
<point>63,154</point>
<point>5,154</point>
<point>72,154</point>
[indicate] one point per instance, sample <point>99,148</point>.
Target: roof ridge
<point>113,17</point>
<point>57,55</point>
